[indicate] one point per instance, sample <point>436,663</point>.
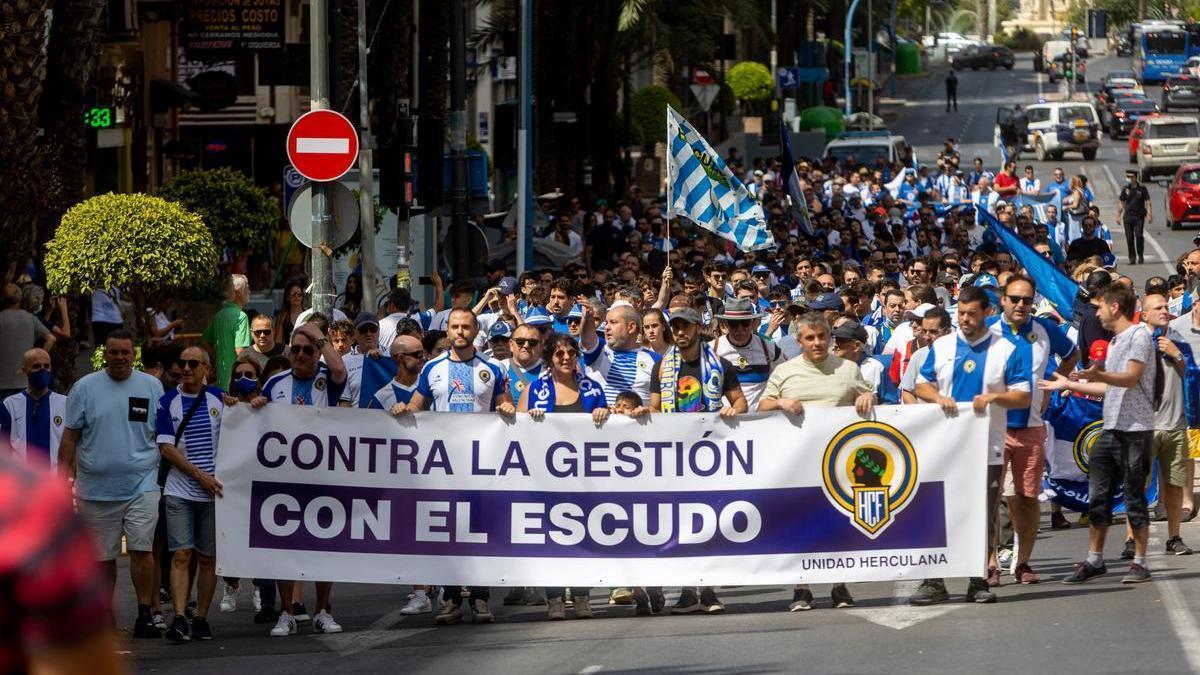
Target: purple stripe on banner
<point>620,524</point>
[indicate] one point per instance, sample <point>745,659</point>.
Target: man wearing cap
<point>499,347</point>
<point>849,342</point>
<point>366,326</point>
<point>752,356</point>
<point>934,324</point>
<point>816,379</point>
<point>1025,443</point>
<point>1134,211</point>
<point>904,351</point>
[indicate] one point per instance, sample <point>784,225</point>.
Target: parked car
<point>1057,128</point>
<point>1114,75</point>
<point>1126,111</point>
<point>984,56</point>
<point>1183,197</point>
<point>1168,142</point>
<point>1135,135</point>
<point>954,42</point>
<point>1180,91</point>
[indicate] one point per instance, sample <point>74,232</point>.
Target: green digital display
<point>100,118</point>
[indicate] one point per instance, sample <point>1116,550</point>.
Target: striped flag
<point>791,181</point>
<point>705,191</point>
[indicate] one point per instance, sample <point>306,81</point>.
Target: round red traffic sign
<point>322,145</point>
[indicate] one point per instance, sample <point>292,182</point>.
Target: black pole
<point>627,94</point>
<point>458,138</point>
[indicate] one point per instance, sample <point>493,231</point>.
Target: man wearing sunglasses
<point>366,330</point>
<point>264,348</point>
<point>752,356</point>
<point>1038,339</point>
<point>309,382</point>
<point>525,365</point>
<point>31,421</point>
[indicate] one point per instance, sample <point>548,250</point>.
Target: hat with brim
<point>919,311</point>
<point>538,317</point>
<point>737,309</point>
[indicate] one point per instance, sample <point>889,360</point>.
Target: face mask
<point>41,379</point>
<point>245,385</point>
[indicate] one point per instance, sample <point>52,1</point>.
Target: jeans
<point>1135,241</point>
<point>1119,458</point>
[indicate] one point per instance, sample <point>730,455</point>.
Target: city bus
<point>1159,49</point>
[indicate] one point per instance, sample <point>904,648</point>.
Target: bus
<point>1159,49</point>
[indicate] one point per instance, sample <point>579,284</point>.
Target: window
<point>1172,130</point>
<point>1070,113</point>
<point>1191,177</point>
<point>1038,115</point>
<point>1166,43</point>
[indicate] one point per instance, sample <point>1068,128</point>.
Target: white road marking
<point>323,146</point>
<point>594,668</point>
<point>1162,253</point>
<point>901,615</point>
<point>380,632</point>
<point>1183,621</point>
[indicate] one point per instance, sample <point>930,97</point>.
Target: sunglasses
<point>248,374</point>
<point>1020,299</point>
<point>305,349</point>
<point>191,363</point>
<point>527,342</point>
<point>262,331</point>
<point>566,354</point>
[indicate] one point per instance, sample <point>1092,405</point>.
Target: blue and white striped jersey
<point>198,442</point>
<point>621,370</point>
<point>32,427</point>
<point>390,394</point>
<point>963,370</point>
<point>320,389</point>
<point>462,386</point>
<point>1039,339</point>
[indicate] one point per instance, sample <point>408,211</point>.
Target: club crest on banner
<point>1081,449</point>
<point>870,472</point>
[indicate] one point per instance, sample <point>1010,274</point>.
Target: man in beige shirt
<point>818,379</point>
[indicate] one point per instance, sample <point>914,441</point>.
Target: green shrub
<point>240,215</point>
<point>649,112</point>
<point>750,81</point>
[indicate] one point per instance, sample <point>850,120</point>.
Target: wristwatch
<point>322,342</point>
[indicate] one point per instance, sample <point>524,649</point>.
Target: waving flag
<point>705,191</point>
<point>799,206</point>
<point>1051,282</point>
<point>1039,203</point>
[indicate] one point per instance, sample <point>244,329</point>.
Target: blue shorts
<point>191,525</point>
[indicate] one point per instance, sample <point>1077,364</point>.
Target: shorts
<point>191,525</point>
<point>1025,456</point>
<point>1194,443</point>
<point>135,518</point>
<point>1171,449</point>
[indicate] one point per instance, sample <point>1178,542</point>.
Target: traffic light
<point>395,167</point>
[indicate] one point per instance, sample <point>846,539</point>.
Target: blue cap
<point>760,269</point>
<point>828,301</point>
<point>575,313</point>
<point>500,329</point>
<point>986,279</point>
<point>538,316</point>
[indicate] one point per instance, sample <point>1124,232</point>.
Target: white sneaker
<point>323,623</point>
<point>418,603</point>
<point>285,626</point>
<point>229,599</point>
<point>160,622</point>
<point>257,600</point>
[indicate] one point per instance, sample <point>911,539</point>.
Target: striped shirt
<point>320,389</point>
<point>32,428</point>
<point>1038,339</point>
<point>198,441</point>
<point>621,370</point>
<point>462,386</point>
<point>390,394</point>
<point>753,362</point>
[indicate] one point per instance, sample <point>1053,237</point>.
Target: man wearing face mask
<point>31,421</point>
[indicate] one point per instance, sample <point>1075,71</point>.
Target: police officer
<point>951,90</point>
<point>1133,210</point>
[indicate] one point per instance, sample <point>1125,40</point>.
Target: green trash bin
<point>908,59</point>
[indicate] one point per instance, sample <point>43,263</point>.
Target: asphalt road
<point>1099,627</point>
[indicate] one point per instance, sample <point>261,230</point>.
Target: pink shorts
<point>1025,456</point>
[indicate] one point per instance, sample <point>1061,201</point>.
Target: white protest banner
<point>338,494</point>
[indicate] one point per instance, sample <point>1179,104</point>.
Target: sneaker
<point>620,596</point>
<point>257,600</point>
<point>583,606</point>
<point>1129,551</point>
<point>1024,574</point>
<point>556,609</point>
<point>978,591</point>
<point>324,622</point>
<point>993,577</point>
<point>1175,546</point>
<point>300,612</point>
<point>143,627</point>
<point>1083,572</point>
<point>658,599</point>
<point>1058,521</point>
<point>481,612</point>
<point>712,604</point>
<point>417,604</point>
<point>1137,574</point>
<point>180,630</point>
<point>930,592</point>
<point>515,596</point>
<point>229,599</point>
<point>451,613</point>
<point>159,621</point>
<point>190,610</point>
<point>802,600</point>
<point>284,626</point>
<point>840,595</point>
<point>641,601</point>
<point>265,615</point>
<point>200,629</point>
<point>687,603</point>
<point>1004,557</point>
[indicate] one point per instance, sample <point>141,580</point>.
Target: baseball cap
<point>760,269</point>
<point>508,285</point>
<point>986,279</point>
<point>920,310</point>
<point>500,329</point>
<point>365,319</point>
<point>828,301</point>
<point>538,316</point>
<point>576,312</point>
<point>685,314</point>
<point>851,330</point>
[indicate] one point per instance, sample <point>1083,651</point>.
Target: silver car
<point>1169,141</point>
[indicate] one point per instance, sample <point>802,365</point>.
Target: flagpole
<point>667,225</point>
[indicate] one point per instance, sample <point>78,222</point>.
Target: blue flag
<point>1051,282</point>
<point>1039,204</point>
<point>791,184</point>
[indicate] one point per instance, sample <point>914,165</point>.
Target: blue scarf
<point>541,393</point>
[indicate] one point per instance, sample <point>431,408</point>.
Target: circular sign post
<point>322,145</point>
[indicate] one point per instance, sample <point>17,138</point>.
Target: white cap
<point>920,310</point>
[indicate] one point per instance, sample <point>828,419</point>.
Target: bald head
<point>404,344</point>
<point>36,366</point>
<point>35,356</point>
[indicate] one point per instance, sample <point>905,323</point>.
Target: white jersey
<point>621,370</point>
<point>320,389</point>
<point>753,361</point>
<point>33,428</point>
<point>462,386</point>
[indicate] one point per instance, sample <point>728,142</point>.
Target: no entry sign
<point>322,145</point>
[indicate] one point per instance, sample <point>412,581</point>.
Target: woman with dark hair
<point>293,307</point>
<point>350,301</point>
<point>656,336</point>
<point>563,388</point>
